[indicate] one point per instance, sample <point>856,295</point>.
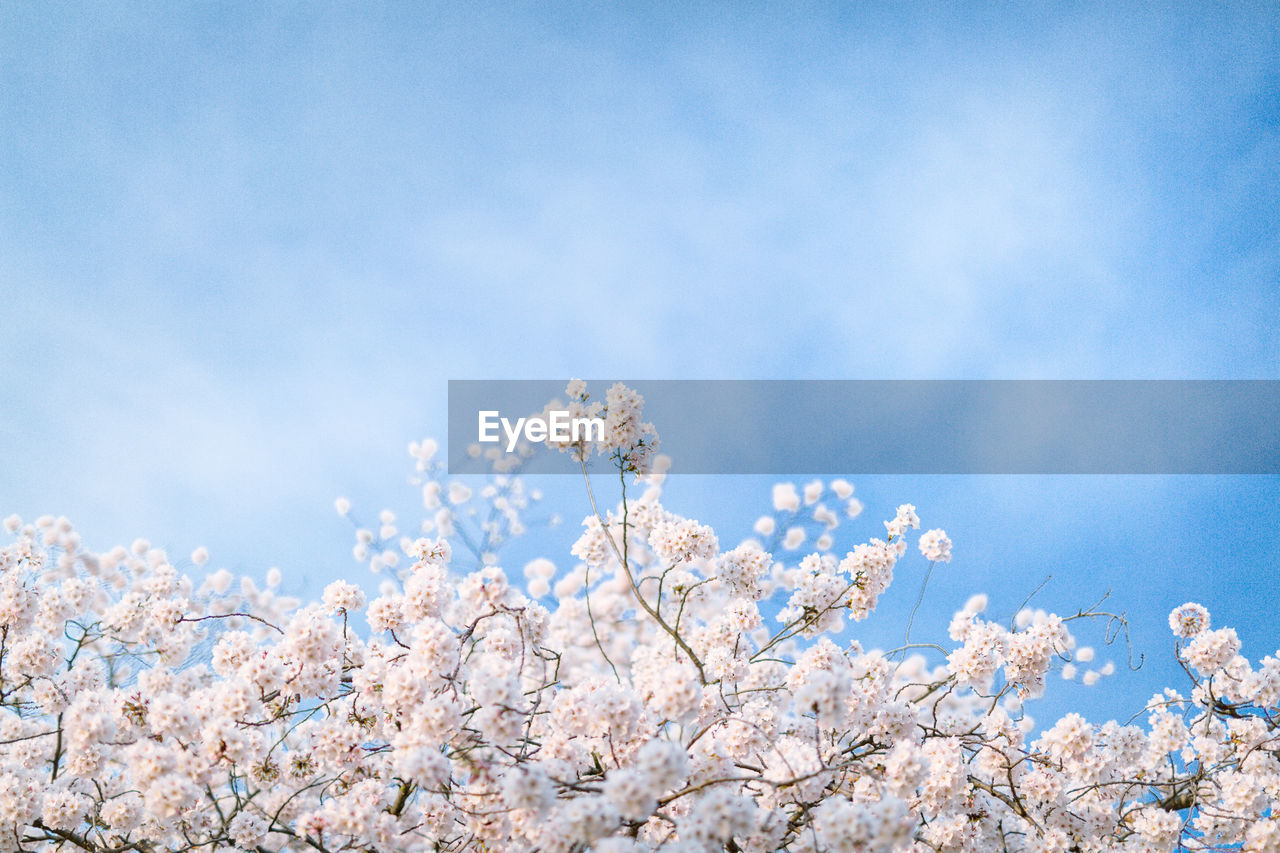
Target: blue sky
<point>243,247</point>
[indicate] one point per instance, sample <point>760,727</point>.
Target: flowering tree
<point>669,695</point>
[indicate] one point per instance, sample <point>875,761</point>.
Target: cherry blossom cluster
<point>481,520</point>
<point>660,692</point>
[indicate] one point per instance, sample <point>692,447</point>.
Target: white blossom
<point>652,694</point>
